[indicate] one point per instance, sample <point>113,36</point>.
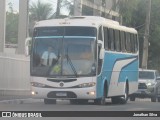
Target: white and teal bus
<point>84,58</point>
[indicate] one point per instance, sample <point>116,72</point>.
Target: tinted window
<point>117,40</point>
<point>136,43</point>
<point>128,42</point>
<point>100,34</point>
<point>111,38</point>
<point>132,43</point>
<point>69,31</point>
<point>48,31</point>
<point>80,31</point>
<point>146,75</point>
<point>107,42</point>
<point>123,39</point>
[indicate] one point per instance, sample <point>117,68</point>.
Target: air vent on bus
<point>62,80</point>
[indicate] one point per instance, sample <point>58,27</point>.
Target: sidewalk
<point>13,97</point>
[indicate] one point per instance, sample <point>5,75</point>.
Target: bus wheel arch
<point>101,101</point>
<point>124,99</point>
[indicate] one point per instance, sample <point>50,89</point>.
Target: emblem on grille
<point>61,84</point>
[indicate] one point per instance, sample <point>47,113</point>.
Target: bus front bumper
<point>76,93</point>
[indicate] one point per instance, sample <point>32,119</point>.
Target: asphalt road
<point>64,105</point>
<point>38,105</point>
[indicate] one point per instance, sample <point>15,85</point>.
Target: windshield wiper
<point>71,64</point>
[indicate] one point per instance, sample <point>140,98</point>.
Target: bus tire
<point>115,100</point>
<point>158,99</point>
<point>124,99</point>
<point>132,98</point>
<point>102,100</point>
<point>49,101</point>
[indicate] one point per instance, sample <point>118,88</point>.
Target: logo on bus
<point>61,84</point>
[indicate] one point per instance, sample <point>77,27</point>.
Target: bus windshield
<point>64,55</point>
<point>146,75</point>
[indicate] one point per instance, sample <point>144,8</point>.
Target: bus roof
<point>90,21</point>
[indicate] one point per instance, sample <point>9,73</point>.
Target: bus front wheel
<point>102,100</point>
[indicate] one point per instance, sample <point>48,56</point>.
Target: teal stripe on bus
<point>65,37</point>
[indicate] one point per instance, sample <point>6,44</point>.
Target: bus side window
<point>117,40</point>
<point>123,41</point>
<point>107,43</point>
<point>100,37</point>
<point>136,43</point>
<point>111,38</point>
<point>132,43</point>
<point>128,42</point>
<point>120,41</point>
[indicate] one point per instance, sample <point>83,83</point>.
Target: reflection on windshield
<point>75,57</point>
<point>146,75</point>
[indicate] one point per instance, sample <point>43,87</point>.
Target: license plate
<point>61,94</point>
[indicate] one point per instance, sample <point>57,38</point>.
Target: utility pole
<point>58,8</point>
<point>2,24</point>
<point>146,37</point>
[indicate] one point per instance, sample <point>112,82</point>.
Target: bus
<point>84,58</point>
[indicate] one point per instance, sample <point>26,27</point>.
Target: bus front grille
<point>142,86</point>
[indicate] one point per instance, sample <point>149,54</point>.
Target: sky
<point>16,3</point>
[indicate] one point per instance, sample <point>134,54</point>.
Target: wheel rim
<point>103,100</point>
<point>125,96</point>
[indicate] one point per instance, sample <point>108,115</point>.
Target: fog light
<point>91,93</point>
<point>33,93</point>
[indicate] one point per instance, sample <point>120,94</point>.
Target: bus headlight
<point>87,85</point>
<point>35,84</point>
<point>151,83</point>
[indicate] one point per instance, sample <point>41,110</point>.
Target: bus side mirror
<point>101,49</point>
<point>28,46</point>
<point>101,56</point>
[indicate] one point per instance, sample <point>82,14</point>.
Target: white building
<point>97,8</point>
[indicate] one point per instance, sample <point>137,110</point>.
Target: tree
<point>134,13</point>
<point>64,4</point>
<point>40,11</point>
<point>11,25</point>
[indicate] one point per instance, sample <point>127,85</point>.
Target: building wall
<point>96,8</point>
<point>14,75</point>
<point>2,24</point>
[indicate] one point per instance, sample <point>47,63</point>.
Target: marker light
<point>91,93</point>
